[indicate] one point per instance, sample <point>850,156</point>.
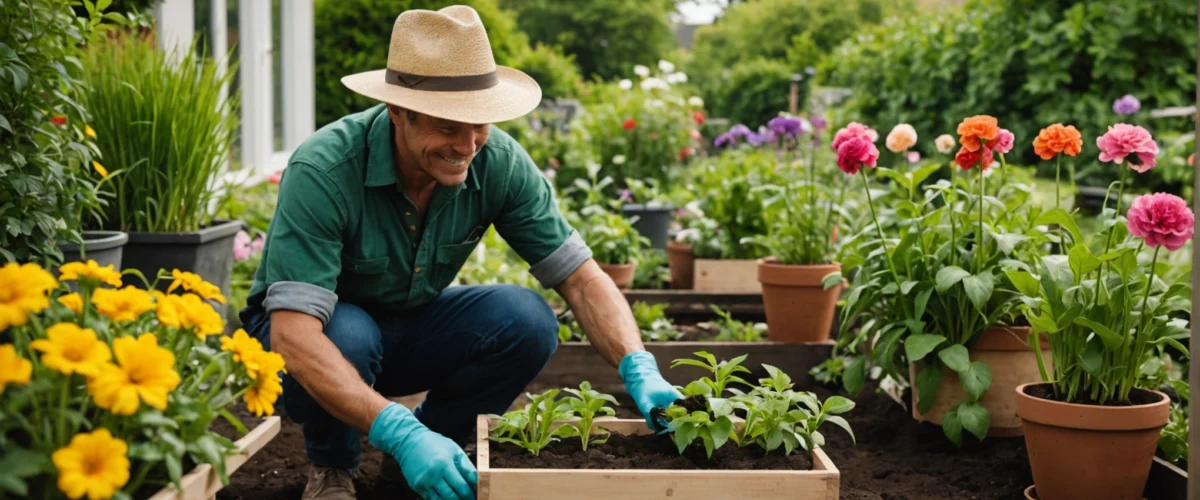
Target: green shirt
<point>344,230</point>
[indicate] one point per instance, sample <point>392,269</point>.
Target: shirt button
<point>418,269</point>
<point>408,213</point>
<point>412,227</point>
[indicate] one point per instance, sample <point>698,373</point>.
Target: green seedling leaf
<point>950,276</point>
<point>720,431</point>
<point>928,380</point>
<point>1112,340</point>
<point>974,419</point>
<point>979,288</point>
<point>836,405</point>
<point>907,286</point>
<point>1024,283</point>
<point>918,346</point>
<point>1092,358</point>
<point>855,375</point>
<point>831,280</point>
<point>841,422</point>
<point>976,379</point>
<point>1063,219</point>
<point>1082,261</point>
<point>956,358</point>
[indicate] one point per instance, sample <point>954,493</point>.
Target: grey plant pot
<point>104,247</point>
<point>653,222</point>
<point>207,252</point>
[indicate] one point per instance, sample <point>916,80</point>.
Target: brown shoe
<point>329,484</point>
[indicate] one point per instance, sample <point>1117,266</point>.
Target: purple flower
<point>819,123</point>
<point>1126,105</point>
<point>763,136</point>
<point>723,140</point>
<point>626,196</point>
<point>782,125</point>
<point>740,130</point>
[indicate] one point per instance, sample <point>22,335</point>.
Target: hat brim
<point>514,96</point>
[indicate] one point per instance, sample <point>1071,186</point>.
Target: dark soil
<point>643,452</point>
<point>895,458</point>
<point>1136,397</point>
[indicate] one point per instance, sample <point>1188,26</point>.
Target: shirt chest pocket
<point>450,259</point>
<point>364,273</point>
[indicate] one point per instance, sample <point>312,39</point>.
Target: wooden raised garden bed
<point>820,483</point>
<point>203,482</point>
<point>695,304</point>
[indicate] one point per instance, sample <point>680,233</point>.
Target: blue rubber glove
<point>646,385</point>
<point>434,465</point>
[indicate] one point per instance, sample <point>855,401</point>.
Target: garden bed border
<point>203,482</point>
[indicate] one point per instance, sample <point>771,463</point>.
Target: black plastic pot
<point>1090,200</point>
<point>104,247</point>
<point>207,252</point>
<point>653,222</point>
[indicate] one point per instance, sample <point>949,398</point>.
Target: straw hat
<point>441,64</point>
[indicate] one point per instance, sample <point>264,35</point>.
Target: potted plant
<point>733,210</point>
<point>614,243</point>
<point>800,242</point>
<point>941,313</point>
<point>680,258</point>
<point>1091,428</point>
<point>642,204</point>
<point>166,136</point>
<point>113,390</point>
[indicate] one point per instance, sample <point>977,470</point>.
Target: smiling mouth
<point>458,163</point>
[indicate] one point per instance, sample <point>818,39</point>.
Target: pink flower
<point>275,177</point>
<point>854,129</point>
<point>241,246</point>
<point>257,245</point>
<point>1003,143</point>
<point>854,152</point>
<point>1161,219</point>
<point>914,157</point>
<point>1122,140</point>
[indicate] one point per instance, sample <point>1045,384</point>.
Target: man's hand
<point>646,385</point>
<point>434,466</point>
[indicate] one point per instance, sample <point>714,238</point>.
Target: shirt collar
<point>381,170</point>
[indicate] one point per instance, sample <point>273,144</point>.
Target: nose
<point>464,144</point>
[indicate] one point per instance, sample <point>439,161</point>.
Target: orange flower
<point>1057,139</point>
<point>974,131</point>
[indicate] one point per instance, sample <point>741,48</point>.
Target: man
<point>376,215</point>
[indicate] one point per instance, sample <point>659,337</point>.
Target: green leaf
<point>1062,218</point>
<point>928,380</point>
<point>720,431</point>
<point>975,419</point>
<point>956,358</point>
<point>13,484</point>
<point>907,286</point>
<point>952,426</point>
<point>174,468</point>
<point>1092,358</point>
<point>1025,283</point>
<point>1112,340</point>
<point>976,380</point>
<point>1006,242</point>
<point>1082,261</point>
<point>102,4</point>
<point>836,405</point>
<point>1173,343</point>
<point>949,276</point>
<point>720,406</point>
<point>841,422</point>
<point>919,175</point>
<point>155,418</point>
<point>979,288</point>
<point>917,346</point>
<point>1043,323</point>
<point>922,301</point>
<point>831,280</point>
<point>5,125</point>
<point>855,375</point>
<point>21,463</point>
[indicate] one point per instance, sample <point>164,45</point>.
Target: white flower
<point>618,160</point>
<point>655,103</point>
<point>675,78</point>
<point>549,173</point>
<point>626,84</point>
<point>666,66</point>
<point>944,143</point>
<point>641,71</point>
<point>696,101</point>
<point>655,83</point>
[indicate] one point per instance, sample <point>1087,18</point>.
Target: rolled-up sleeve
<point>530,222</point>
<point>304,244</point>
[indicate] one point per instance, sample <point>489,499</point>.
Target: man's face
<point>441,148</point>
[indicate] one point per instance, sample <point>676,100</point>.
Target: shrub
<point>46,151</point>
<point>353,36</point>
<point>555,73</point>
<point>755,92</point>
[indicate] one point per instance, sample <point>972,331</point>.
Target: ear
<point>396,114</point>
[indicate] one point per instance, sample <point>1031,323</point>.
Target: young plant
<point>723,374</point>
<point>778,416</point>
<point>586,405</point>
<point>653,322</point>
<point>711,425</point>
<point>732,330</point>
<point>534,427</point>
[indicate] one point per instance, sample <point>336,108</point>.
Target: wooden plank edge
<point>203,482</point>
<point>483,487</point>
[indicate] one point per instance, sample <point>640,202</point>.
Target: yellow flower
<point>188,311</point>
<point>13,368</point>
<point>94,463</point>
<point>24,289</point>
<point>89,131</point>
<point>100,169</point>
<point>73,302</point>
<point>143,371</point>
<point>92,270</point>
<point>126,304</point>
<point>194,283</point>
<point>261,397</point>
<point>244,347</point>
<point>71,349</point>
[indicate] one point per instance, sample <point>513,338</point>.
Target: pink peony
<point>1122,140</point>
<point>257,245</point>
<point>1161,219</point>
<point>241,246</point>
<point>854,129</point>
<point>1003,143</point>
<point>854,152</point>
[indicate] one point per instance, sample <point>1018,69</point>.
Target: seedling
<point>586,405</point>
<point>712,427</point>
<point>732,330</point>
<point>652,321</point>
<point>723,373</point>
<point>533,428</point>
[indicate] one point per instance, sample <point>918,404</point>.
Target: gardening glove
<point>646,385</point>
<point>434,466</point>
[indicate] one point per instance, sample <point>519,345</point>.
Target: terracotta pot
<point>682,264</point>
<point>798,307</point>
<point>1006,352</point>
<point>1080,451</point>
<point>621,274</point>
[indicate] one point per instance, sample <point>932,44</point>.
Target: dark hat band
<point>442,83</point>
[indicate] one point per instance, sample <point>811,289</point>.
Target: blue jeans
<point>474,348</point>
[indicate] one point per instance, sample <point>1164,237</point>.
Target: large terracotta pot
<point>621,274</point>
<point>1084,452</point>
<point>1006,352</point>
<point>798,307</point>
<point>682,264</point>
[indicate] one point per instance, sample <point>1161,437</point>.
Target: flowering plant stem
<point>882,239</point>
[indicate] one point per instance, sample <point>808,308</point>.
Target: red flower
<point>629,124</point>
<point>686,153</point>
<point>967,159</point>
<point>1161,219</point>
<point>854,152</point>
<point>698,117</point>
<point>59,120</point>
